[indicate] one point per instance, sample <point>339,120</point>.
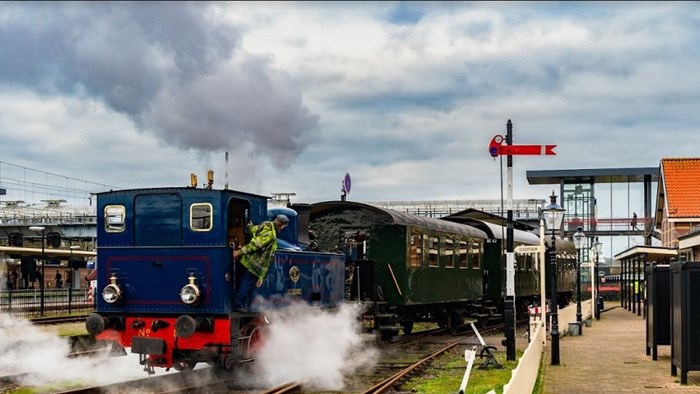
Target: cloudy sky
<point>404,96</point>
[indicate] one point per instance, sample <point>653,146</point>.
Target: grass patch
<point>445,375</point>
<point>65,330</point>
<point>72,331</point>
<point>46,389</point>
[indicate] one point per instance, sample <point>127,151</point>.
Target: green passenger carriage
<point>405,268</point>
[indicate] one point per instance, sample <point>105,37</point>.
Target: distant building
<point>677,202</point>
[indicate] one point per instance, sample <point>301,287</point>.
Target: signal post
<point>497,148</point>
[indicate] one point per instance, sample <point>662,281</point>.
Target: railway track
<point>387,384</point>
<point>206,380</point>
<point>400,360</point>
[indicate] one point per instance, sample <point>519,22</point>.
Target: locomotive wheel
<point>254,343</point>
<point>184,365</point>
<point>386,335</point>
<point>454,321</point>
<point>408,327</point>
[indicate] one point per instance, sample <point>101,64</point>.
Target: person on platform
<point>39,277</point>
<point>256,257</point>
<point>58,280</point>
<point>12,280</point>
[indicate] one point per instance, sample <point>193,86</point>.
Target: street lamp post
<point>553,217</point>
<point>579,241</point>
<point>597,249</point>
<point>43,264</point>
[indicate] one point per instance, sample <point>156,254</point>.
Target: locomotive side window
<point>201,217</point>
<point>449,253</point>
<point>463,254</point>
<point>416,250</point>
<point>115,218</point>
<point>433,249</point>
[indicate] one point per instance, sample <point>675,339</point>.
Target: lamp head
<point>597,246</point>
<point>553,214</point>
<point>579,239</point>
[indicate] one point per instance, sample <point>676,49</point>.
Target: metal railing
<point>26,303</point>
<point>610,224</point>
<point>26,220</point>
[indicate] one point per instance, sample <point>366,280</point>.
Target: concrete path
<point>610,357</point>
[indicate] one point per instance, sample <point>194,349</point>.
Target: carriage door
<point>237,221</point>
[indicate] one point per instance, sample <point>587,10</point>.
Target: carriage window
<point>463,255</point>
<point>475,255</point>
<point>201,217</point>
<point>433,248</point>
<point>416,250</point>
<point>449,253</point>
<point>115,217</point>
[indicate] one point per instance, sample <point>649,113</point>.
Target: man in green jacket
<point>256,257</point>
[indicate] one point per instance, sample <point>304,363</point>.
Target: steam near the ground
<point>318,347</point>
<point>304,343</point>
<point>25,348</point>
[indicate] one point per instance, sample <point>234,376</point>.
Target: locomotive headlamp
<point>112,293</point>
<point>189,294</point>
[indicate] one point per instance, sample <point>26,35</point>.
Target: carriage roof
<point>400,218</point>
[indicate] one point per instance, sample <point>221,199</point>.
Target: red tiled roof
<point>681,179</point>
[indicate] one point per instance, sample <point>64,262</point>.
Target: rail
<point>386,385</point>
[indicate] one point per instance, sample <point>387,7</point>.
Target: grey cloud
<point>145,59</point>
<point>244,101</point>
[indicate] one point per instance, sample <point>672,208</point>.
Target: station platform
<point>610,357</point>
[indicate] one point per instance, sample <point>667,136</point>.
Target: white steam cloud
<point>304,343</point>
<point>43,356</point>
<point>318,347</point>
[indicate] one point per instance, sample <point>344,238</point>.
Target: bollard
<point>469,355</point>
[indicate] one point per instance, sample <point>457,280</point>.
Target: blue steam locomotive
<point>167,276</point>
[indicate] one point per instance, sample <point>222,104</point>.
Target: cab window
<point>115,218</point>
<point>201,216</point>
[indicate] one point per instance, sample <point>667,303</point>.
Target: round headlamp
<point>111,293</point>
<point>189,294</point>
